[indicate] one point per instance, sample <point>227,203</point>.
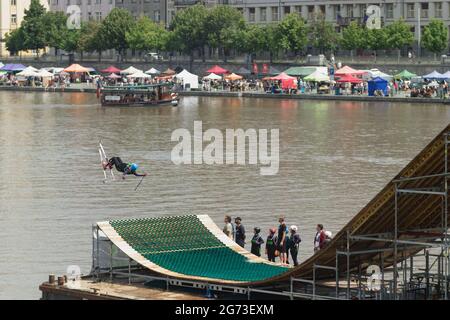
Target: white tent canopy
<point>139,74</point>
<point>44,74</point>
<point>317,76</point>
<point>130,70</point>
<point>374,73</point>
<point>188,78</point>
<point>212,76</point>
<point>28,72</point>
<point>153,71</point>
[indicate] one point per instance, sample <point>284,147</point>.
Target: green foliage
<point>147,35</point>
<point>189,29</point>
<point>115,27</point>
<point>292,33</point>
<point>376,39</point>
<point>223,24</point>
<point>55,28</point>
<point>323,35</point>
<point>435,36</point>
<point>33,26</point>
<point>353,37</point>
<point>398,35</point>
<point>15,41</point>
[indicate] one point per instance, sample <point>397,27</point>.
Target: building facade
<point>11,16</point>
<point>340,12</point>
<point>99,9</point>
<point>154,9</point>
<point>89,9</point>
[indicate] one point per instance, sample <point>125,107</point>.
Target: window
<point>13,2</point>
<point>410,10</point>
<point>298,9</point>
<point>310,12</point>
<point>336,11</point>
<point>263,14</point>
<point>251,14</point>
<point>274,13</point>
<point>157,15</point>
<point>98,16</point>
<point>424,10</point>
<point>350,11</point>
<point>438,9</point>
<point>13,19</point>
<point>90,16</point>
<point>287,10</point>
<point>389,11</point>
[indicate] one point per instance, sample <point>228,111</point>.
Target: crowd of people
<point>282,242</point>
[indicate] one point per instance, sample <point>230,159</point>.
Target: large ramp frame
<point>405,224</point>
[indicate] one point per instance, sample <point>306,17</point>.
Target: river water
<point>334,157</point>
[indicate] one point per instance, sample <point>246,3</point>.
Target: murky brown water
<point>335,156</point>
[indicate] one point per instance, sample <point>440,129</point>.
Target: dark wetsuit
<point>257,241</point>
<point>240,235</point>
<point>119,164</point>
<point>271,246</point>
<point>282,231</point>
<point>122,166</point>
<point>293,244</point>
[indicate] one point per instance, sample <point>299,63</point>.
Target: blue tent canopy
<point>377,84</point>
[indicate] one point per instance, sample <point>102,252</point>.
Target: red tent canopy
<point>287,82</point>
<point>283,76</point>
<point>217,70</point>
<point>111,69</point>
<point>348,78</point>
<point>348,70</point>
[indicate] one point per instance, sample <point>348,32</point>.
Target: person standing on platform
<point>294,243</point>
<point>257,241</point>
<point>319,238</point>
<point>282,248</point>
<point>240,232</point>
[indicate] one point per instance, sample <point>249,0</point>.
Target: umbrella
<point>348,70</point>
<point>405,75</point>
<point>139,74</point>
<point>349,78</point>
<point>169,72</point>
<point>76,68</point>
<point>114,76</point>
<point>130,70</point>
<point>434,76</point>
<point>212,76</point>
<point>111,69</point>
<point>11,67</point>
<point>27,72</point>
<point>44,74</point>
<point>233,77</point>
<point>244,71</point>
<point>317,76</point>
<point>153,71</point>
<point>217,70</point>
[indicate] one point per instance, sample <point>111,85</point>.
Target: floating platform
<point>408,216</point>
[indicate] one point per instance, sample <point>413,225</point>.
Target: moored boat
<point>138,95</point>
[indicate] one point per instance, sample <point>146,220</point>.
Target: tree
<point>147,35</point>
<point>223,24</point>
<point>323,35</point>
<point>33,27</point>
<point>92,39</point>
<point>435,37</point>
<point>271,43</point>
<point>398,35</point>
<point>376,40</point>
<point>353,37</point>
<point>292,33</point>
<point>189,31</point>
<point>71,42</point>
<point>55,28</point>
<point>115,27</point>
<point>15,41</point>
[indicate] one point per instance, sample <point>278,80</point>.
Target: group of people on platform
<point>281,242</point>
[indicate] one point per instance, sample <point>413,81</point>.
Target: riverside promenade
<point>89,88</point>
